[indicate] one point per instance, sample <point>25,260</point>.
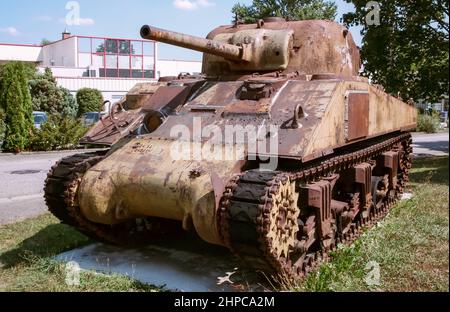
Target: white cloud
<point>185,5</point>
<point>43,18</point>
<point>12,31</point>
<point>86,21</point>
<point>189,5</point>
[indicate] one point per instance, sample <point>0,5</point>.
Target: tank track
<point>61,188</point>
<point>244,218</point>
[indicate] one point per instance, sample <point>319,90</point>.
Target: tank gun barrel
<point>228,51</point>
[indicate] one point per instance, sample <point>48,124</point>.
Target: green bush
<point>59,132</point>
<point>89,100</point>
<point>49,97</point>
<point>15,100</point>
<point>428,123</point>
<point>2,128</point>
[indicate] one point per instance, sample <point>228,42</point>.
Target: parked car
<point>91,118</point>
<point>39,119</point>
<point>444,119</point>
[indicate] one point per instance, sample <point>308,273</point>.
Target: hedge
<point>89,100</point>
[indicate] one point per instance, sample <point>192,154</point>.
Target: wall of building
<point>24,53</point>
<point>164,68</point>
<point>112,89</point>
<point>175,67</point>
<point>62,57</point>
<point>61,53</point>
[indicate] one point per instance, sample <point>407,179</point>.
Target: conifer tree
<point>15,101</point>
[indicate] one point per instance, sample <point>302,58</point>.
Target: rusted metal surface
<point>111,129</point>
<point>139,94</point>
<point>244,50</point>
<point>216,94</point>
<point>342,152</point>
<point>151,183</point>
<point>325,113</point>
<point>145,103</point>
<point>64,178</point>
<point>255,91</point>
<point>246,108</point>
<point>318,47</point>
<point>318,196</point>
<point>363,176</point>
<point>326,77</point>
<point>390,161</point>
<point>358,115</point>
<point>305,257</point>
<point>263,49</point>
<point>228,51</point>
<point>124,116</point>
<point>246,228</point>
<point>162,103</point>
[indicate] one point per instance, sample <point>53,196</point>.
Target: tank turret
<point>308,47</point>
<point>246,50</point>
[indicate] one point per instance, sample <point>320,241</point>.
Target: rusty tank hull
<point>127,116</point>
<point>279,152</point>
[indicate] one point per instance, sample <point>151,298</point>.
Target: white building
<point>110,65</point>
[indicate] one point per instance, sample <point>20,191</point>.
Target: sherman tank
<point>279,151</point>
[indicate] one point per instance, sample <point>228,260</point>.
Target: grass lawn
<point>26,264</point>
<point>410,247</point>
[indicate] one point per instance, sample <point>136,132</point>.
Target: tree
<point>2,127</point>
<point>290,9</point>
<point>89,100</point>
<point>116,46</point>
<point>48,97</point>
<point>45,42</point>
<point>15,101</point>
<point>407,52</point>
<point>2,115</point>
<point>24,73</point>
<point>70,105</point>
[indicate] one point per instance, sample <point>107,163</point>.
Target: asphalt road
<point>22,176</point>
<point>21,184</point>
<point>426,145</point>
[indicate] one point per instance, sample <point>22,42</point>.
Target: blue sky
<point>28,21</point>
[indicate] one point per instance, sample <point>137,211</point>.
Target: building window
<point>118,58</point>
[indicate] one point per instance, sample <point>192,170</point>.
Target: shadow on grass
<point>430,170</point>
<point>37,251</point>
<point>48,242</point>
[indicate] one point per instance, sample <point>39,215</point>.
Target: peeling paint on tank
<point>144,179</point>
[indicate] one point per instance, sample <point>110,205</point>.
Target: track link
<point>244,216</point>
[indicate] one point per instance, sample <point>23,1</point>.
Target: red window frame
<point>118,54</point>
